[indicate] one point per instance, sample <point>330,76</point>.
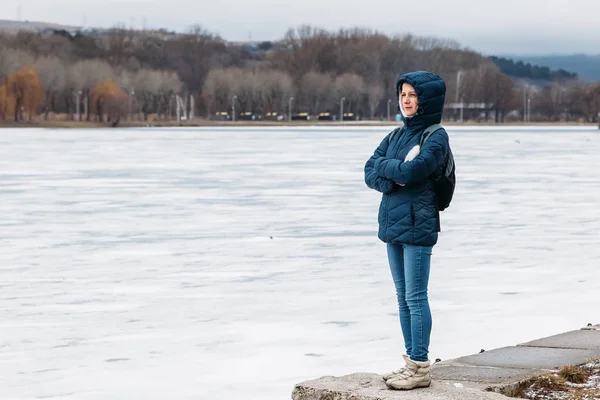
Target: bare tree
<point>241,87</point>
<point>480,86</point>
<point>119,45</point>
<point>53,77</point>
<point>11,60</point>
<point>75,84</point>
<point>194,54</point>
<point>169,86</point>
<point>218,88</point>
<point>584,101</point>
<point>504,95</point>
<point>278,88</point>
<point>253,86</point>
<point>307,48</point>
<point>374,96</point>
<point>83,76</point>
<point>351,87</point>
<point>146,83</point>
<point>126,80</point>
<point>317,92</point>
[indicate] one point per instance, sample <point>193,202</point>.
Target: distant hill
<point>531,72</point>
<point>584,65</point>
<point>33,26</point>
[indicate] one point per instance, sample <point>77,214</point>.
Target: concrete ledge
<point>364,386</point>
<point>588,339</point>
<point>487,375</point>
<point>528,357</point>
<point>484,375</point>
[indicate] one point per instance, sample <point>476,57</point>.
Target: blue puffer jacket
<point>408,214</point>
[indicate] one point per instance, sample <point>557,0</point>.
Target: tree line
<point>521,69</point>
<point>120,73</point>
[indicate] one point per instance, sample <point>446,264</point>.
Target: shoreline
<point>58,124</point>
<point>540,369</point>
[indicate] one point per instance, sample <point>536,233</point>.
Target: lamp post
<point>192,106</point>
<point>171,107</point>
<point>290,109</point>
<point>233,107</point>
<point>86,102</point>
<point>459,76</point>
<point>388,108</point>
<point>131,93</point>
<point>342,109</point>
<point>77,104</point>
<point>525,105</point>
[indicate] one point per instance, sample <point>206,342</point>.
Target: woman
<point>408,217</point>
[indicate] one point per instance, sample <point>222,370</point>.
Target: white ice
<point>233,263</point>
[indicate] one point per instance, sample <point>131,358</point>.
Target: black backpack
<point>443,187</point>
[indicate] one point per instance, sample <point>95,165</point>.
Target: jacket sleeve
<point>433,154</point>
<point>372,179</point>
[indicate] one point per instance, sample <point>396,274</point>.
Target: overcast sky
<point>491,27</point>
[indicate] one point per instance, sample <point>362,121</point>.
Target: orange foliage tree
<point>5,102</point>
<point>23,92</point>
<point>108,98</point>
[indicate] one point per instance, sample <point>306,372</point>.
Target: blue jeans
<point>410,270</point>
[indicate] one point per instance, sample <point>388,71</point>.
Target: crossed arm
<point>372,179</point>
<point>433,153</point>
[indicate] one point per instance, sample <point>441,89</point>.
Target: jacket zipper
<point>398,137</point>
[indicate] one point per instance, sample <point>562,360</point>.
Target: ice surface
<point>234,263</point>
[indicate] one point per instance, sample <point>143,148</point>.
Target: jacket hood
<point>431,92</point>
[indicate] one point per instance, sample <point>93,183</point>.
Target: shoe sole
<point>419,385</point>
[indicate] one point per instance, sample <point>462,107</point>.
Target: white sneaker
<point>416,375</point>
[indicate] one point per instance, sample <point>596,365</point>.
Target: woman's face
<point>408,100</point>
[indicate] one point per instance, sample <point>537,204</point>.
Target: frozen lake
<point>232,264</point>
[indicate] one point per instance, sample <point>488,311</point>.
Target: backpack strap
<point>426,134</point>
<point>429,131</point>
<point>396,130</point>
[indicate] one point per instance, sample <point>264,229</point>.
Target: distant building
<point>325,116</point>
<point>466,106</point>
<point>221,116</point>
<point>273,116</point>
<point>246,116</point>
<point>303,116</point>
<point>351,117</point>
